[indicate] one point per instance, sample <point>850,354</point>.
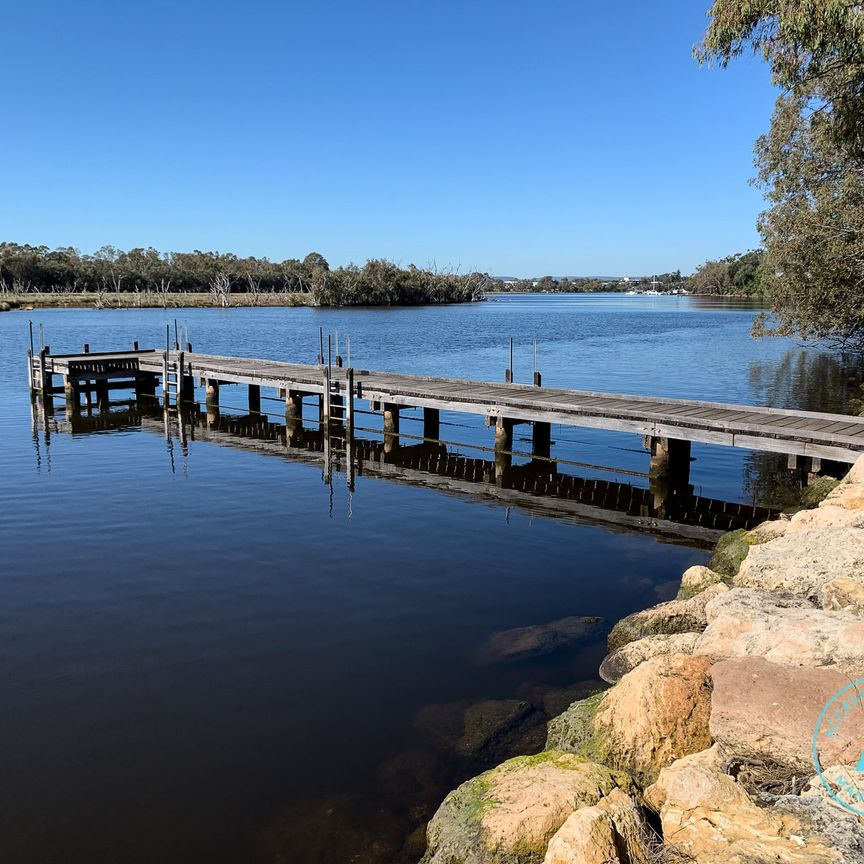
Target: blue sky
<point>515,138</point>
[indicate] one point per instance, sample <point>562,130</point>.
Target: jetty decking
<point>668,425</point>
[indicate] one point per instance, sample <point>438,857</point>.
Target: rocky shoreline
<point>702,750</point>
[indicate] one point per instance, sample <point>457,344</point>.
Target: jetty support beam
<point>541,439</point>
<point>254,399</point>
<point>503,433</point>
<point>431,423</point>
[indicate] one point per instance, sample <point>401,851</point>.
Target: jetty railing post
<point>325,405</point>
<point>349,405</point>
<point>320,346</point>
<point>508,374</point>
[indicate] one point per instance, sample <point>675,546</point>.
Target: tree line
<point>28,269</point>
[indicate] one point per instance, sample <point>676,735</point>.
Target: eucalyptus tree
<point>811,162</point>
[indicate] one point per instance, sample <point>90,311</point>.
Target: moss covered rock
<point>818,491</point>
<point>653,715</point>
<point>731,550</point>
<point>674,616</point>
<point>509,814</point>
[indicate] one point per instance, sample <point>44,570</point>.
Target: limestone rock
<point>710,817</point>
<point>628,657</point>
<point>696,579</point>
<point>674,616</point>
<point>653,715</point>
<point>508,815</point>
<point>610,832</point>
<point>842,592</point>
<point>769,711</point>
<point>784,629</point>
<point>800,563</point>
<point>850,496</point>
<point>767,531</point>
<point>855,474</point>
<point>520,643</point>
<point>730,551</point>
<point>825,517</point>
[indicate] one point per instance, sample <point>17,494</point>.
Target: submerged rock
<point>706,815</point>
<point>343,828</point>
<point>521,643</point>
<point>487,728</point>
<point>552,700</point>
<point>610,832</point>
<point>508,815</point>
<point>764,710</point>
<point>784,629</point>
<point>413,782</point>
<point>628,657</point>
<point>653,715</point>
<point>674,616</point>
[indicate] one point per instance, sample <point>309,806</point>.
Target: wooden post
<point>293,404</point>
<point>541,438</point>
<point>166,390</point>
<point>431,423</point>
<point>503,433</point>
<point>325,403</point>
<point>391,419</point>
<point>670,458</point>
<point>254,399</point>
<point>349,402</point>
<point>211,393</point>
<point>86,347</point>
<point>72,393</point>
<point>135,345</point>
<point>508,374</point>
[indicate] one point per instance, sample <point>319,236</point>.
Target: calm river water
<point>209,654</point>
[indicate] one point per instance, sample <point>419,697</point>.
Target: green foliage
<point>736,274</point>
<point>811,163</point>
<point>814,230</point>
<point>808,43</point>
<point>37,269</point>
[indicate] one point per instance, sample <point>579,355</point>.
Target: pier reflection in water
<point>533,483</point>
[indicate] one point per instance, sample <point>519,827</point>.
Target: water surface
<point>208,653</point>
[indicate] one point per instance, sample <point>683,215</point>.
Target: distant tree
<point>712,277</point>
<point>313,260</point>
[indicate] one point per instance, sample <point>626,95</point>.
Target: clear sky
<point>516,138</point>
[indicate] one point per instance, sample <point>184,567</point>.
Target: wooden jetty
<point>537,487</point>
<point>668,426</point>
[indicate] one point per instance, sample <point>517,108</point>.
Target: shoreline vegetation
<point>39,277</point>
<point>702,749</point>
